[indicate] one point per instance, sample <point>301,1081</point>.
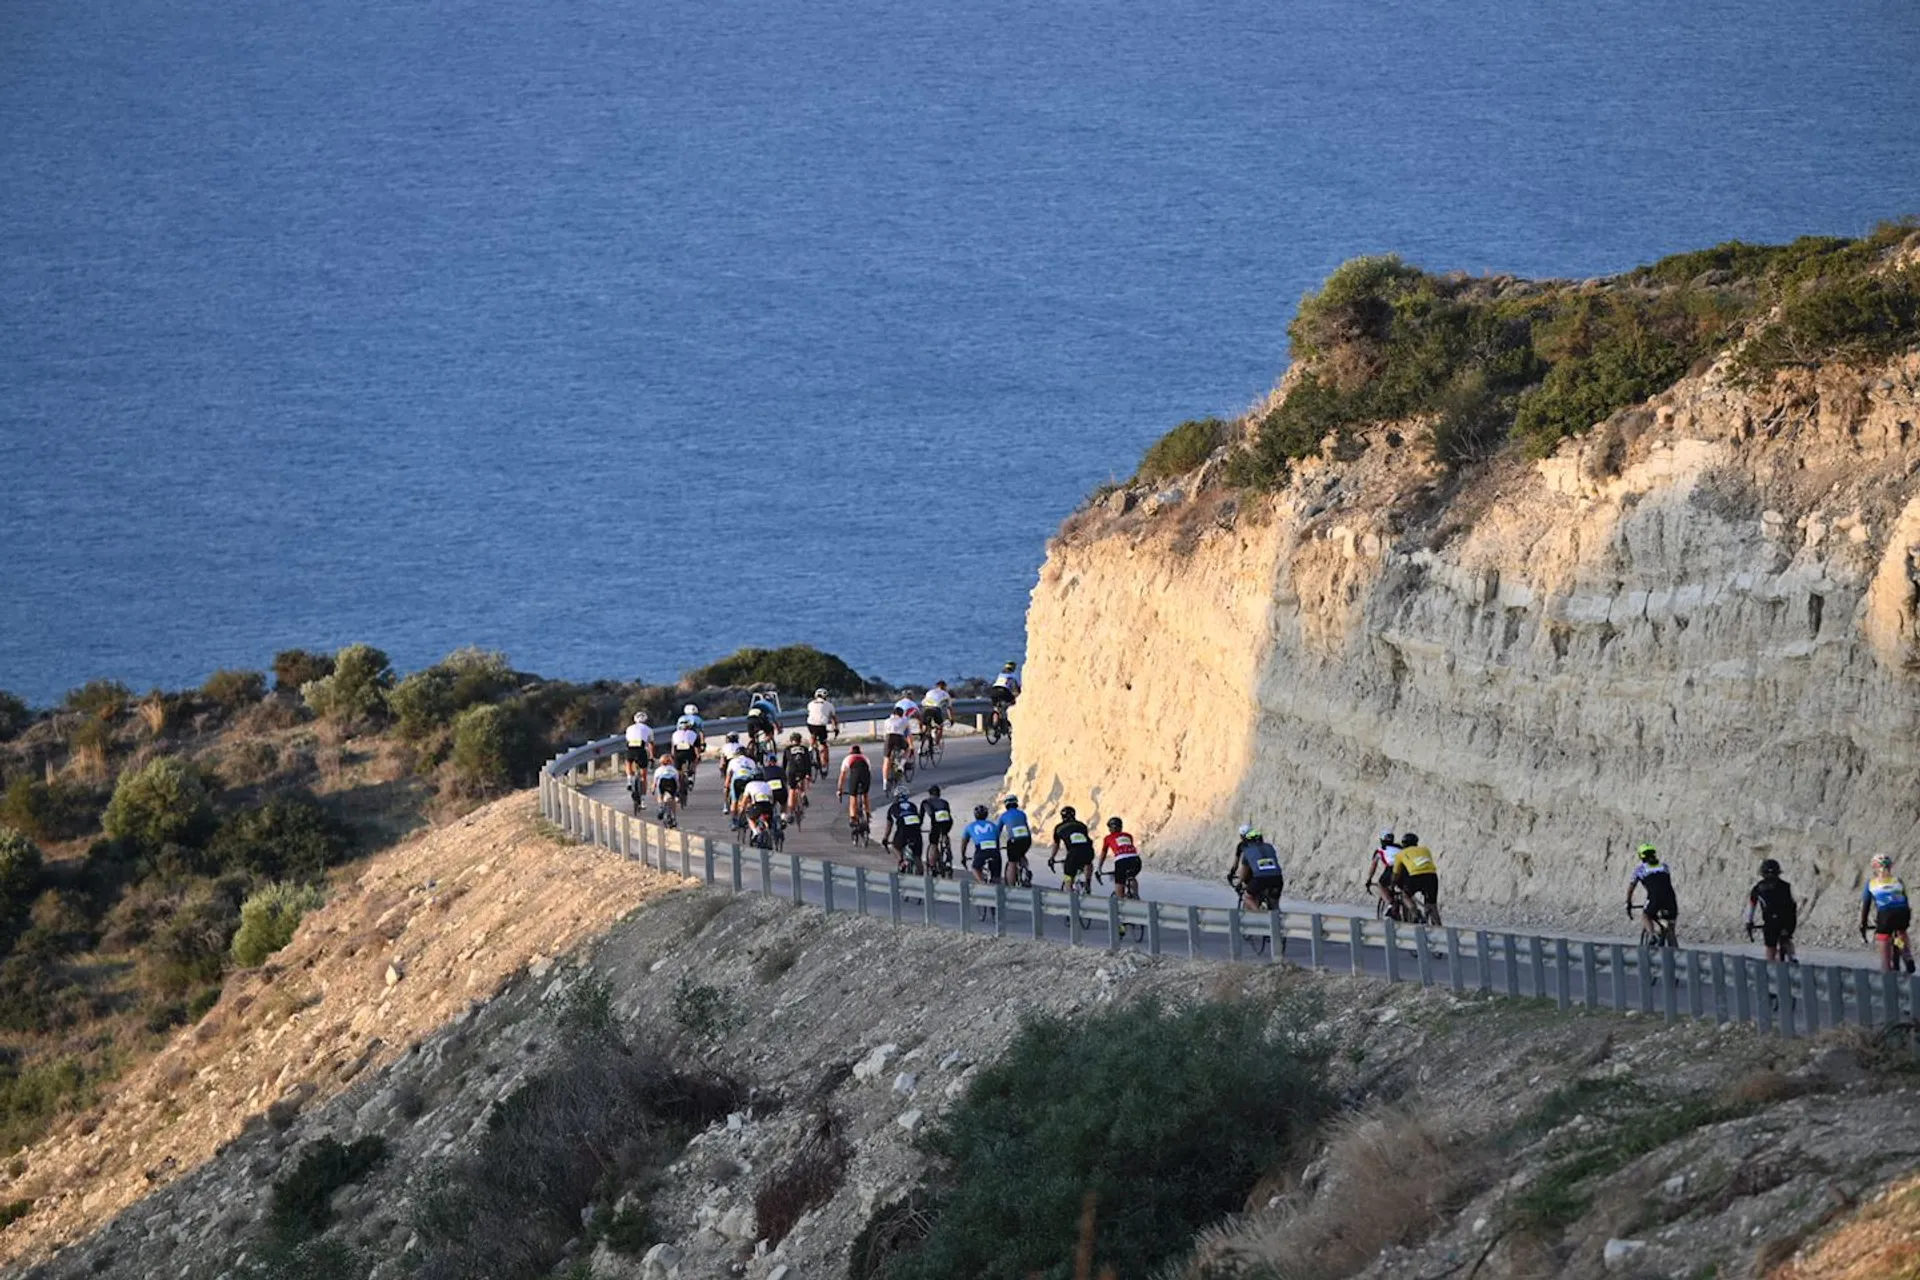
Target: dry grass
<point>810,1179</point>
<point>1880,1242</point>
<point>1344,1222</point>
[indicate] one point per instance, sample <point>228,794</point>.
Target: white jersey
<point>639,734</point>
<point>937,698</point>
<point>685,739</point>
<point>1006,680</point>
<point>664,774</point>
<point>730,750</point>
<point>906,707</point>
<point>758,792</point>
<point>820,712</point>
<point>740,766</point>
<point>897,724</point>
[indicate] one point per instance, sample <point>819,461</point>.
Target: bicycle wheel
<point>993,731</point>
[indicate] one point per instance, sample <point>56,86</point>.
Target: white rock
<point>874,1063</point>
<point>1619,1252</point>
<point>1676,1185</point>
<point>737,1223</point>
<point>735,1121</point>
<point>393,975</point>
<point>951,1061</point>
<point>905,1082</point>
<point>780,1272</point>
<point>909,1120</point>
<point>659,1261</point>
<point>1479,1225</point>
<point>540,966</point>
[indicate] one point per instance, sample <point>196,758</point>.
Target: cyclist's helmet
<point>1386,837</point>
<point>1409,840</point>
<point>819,693</point>
<point>855,750</point>
<point>794,737</point>
<point>979,811</point>
<point>1769,869</point>
<point>1246,831</point>
<point>1012,802</point>
<point>733,737</point>
<point>939,684</point>
<point>1066,813</point>
<point>1649,854</point>
<point>1114,824</point>
<point>689,710</point>
<point>1007,667</point>
<point>639,717</point>
<point>899,793</point>
<point>1881,862</point>
<point>1253,833</point>
<point>934,790</point>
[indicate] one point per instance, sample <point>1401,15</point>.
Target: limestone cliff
<point>1694,626</point>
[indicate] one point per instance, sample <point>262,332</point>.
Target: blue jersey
<point>1885,895</point>
<point>983,833</point>
<point>765,708</point>
<point>1014,826</point>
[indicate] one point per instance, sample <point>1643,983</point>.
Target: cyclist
<point>1078,841</point>
<point>1126,858</point>
<point>1415,873</point>
<point>935,710</point>
<point>902,832</point>
<point>1772,898</point>
<point>763,719</point>
<point>1662,902</point>
<point>899,731</point>
<point>1885,895</point>
<point>639,747</point>
<point>798,763</point>
<point>856,779</point>
<point>740,771</point>
<point>983,837</point>
<point>758,804</point>
<point>1004,692</point>
<point>906,706</point>
<point>821,717</point>
<point>1380,867</point>
<point>667,783</point>
<point>1258,875</point>
<point>730,751</point>
<point>775,776</point>
<point>936,815</point>
<point>1016,837</point>
<point>686,750</point>
<point>690,718</point>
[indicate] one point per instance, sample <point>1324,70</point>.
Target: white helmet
<point>639,717</point>
<point>689,710</point>
<point>819,693</point>
<point>1246,829</point>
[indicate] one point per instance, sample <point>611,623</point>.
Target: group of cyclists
<point>766,785</point>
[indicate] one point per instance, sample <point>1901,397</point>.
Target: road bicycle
<point>1127,890</point>
<point>1656,931</point>
<point>998,725</point>
<point>1269,901</point>
<point>940,855</point>
<point>928,747</point>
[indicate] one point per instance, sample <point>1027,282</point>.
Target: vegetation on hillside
<point>1492,363</point>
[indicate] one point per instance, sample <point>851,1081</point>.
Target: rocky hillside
<point>700,1065</point>
<point>425,930</point>
<point>1695,626</point>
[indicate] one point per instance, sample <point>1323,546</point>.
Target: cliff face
<point>1695,626</point>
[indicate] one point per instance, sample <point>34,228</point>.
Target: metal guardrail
<point>1791,1000</point>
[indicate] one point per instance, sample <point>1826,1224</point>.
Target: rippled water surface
<point>619,335</point>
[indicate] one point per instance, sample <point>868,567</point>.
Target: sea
<point>618,334</point>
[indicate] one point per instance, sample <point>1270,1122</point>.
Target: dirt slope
<point>407,941</point>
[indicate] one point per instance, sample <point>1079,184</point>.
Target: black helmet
<point>979,811</point>
<point>1114,824</point>
<point>934,790</point>
<point>1409,840</point>
<point>1066,813</point>
<point>1769,869</point>
<point>1007,667</point>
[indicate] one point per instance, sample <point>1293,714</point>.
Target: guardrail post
<point>1483,958</point>
<point>860,891</point>
<point>1276,936</point>
<point>1423,957</point>
<point>1456,975</point>
<point>766,872</point>
<point>1153,926</point>
<point>706,850</point>
<point>1113,922</point>
<point>1234,939</point>
<point>1037,921</point>
<point>1193,933</point>
<point>1783,979</point>
<point>966,904</point>
<point>1510,950</point>
<point>1073,918</point>
<point>798,887</point>
<point>1315,923</point>
<point>1644,960</point>
<point>1742,1002</point>
<point>1764,999</point>
<point>686,854</point>
<point>1590,974</point>
<point>1617,958</point>
<point>1393,951</point>
<point>1537,953</point>
<point>1356,945</point>
<point>1889,999</point>
<point>893,896</point>
<point>826,885</point>
<point>1670,995</point>
<point>1696,983</point>
<point>999,910</point>
<point>1913,1008</point>
<point>1863,997</point>
<point>1810,991</point>
<point>735,878</point>
<point>1722,1011</point>
<point>1836,997</point>
<point>927,903</point>
<point>1562,974</point>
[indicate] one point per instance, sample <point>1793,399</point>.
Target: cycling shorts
<point>896,742</point>
<point>1018,846</point>
<point>938,828</point>
<point>1126,868</point>
<point>1772,931</point>
<point>859,785</point>
<point>819,732</point>
<point>1892,920</point>
<point>1427,886</point>
<point>668,787</point>
<point>760,809</point>
<point>1077,864</point>
<point>933,715</point>
<point>1000,696</point>
<point>683,759</point>
<point>639,751</point>
<point>907,838</point>
<point>987,863</point>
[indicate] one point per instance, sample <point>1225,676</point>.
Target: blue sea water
<point>617,335</point>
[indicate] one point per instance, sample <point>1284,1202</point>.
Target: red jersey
<point>1118,844</point>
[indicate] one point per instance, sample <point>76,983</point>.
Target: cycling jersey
<point>982,833</point>
<point>758,791</point>
<point>820,712</point>
<point>685,739</point>
<point>1416,860</point>
<point>906,707</point>
<point>1885,895</point>
<point>1774,899</point>
<point>776,778</point>
<point>639,735</point>
<point>764,711</point>
<point>1381,868</point>
<point>1263,862</point>
<point>1008,683</point>
<point>897,726</point>
<point>856,775</point>
<point>666,776</point>
<point>730,751</point>
<point>936,698</point>
<point>1015,832</point>
<point>741,767</point>
<point>937,813</point>
<point>1658,882</point>
<point>1079,843</point>
<point>905,815</point>
<point>799,762</point>
<point>1118,844</point>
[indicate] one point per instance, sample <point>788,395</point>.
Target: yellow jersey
<point>1415,861</point>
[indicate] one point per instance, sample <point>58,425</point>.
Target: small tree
<point>15,715</point>
<point>483,749</point>
<point>288,837</point>
<point>294,669</point>
<point>357,689</point>
<point>268,919</point>
<point>422,704</point>
<point>162,802</point>
<point>106,699</point>
<point>20,864</point>
<point>235,689</point>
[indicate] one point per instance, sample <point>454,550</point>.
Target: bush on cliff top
<point>1489,361</point>
<point>797,669</point>
<point>1180,450</point>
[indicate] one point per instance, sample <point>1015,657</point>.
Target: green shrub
<point>422,704</point>
<point>14,1210</point>
<point>702,1010</point>
<point>162,802</point>
<point>33,1096</point>
<point>308,1259</point>
<point>1180,450</point>
<point>483,744</point>
<point>268,919</point>
<point>1167,1118</point>
<point>294,669</point>
<point>15,715</point>
<point>187,948</point>
<point>235,689</point>
<point>586,1011</point>
<point>37,995</point>
<point>106,699</point>
<point>477,675</point>
<point>356,692</point>
<point>287,838</point>
<point>796,669</point>
<point>303,1197</point>
<point>20,864</point>
<point>49,811</point>
<point>1856,319</point>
